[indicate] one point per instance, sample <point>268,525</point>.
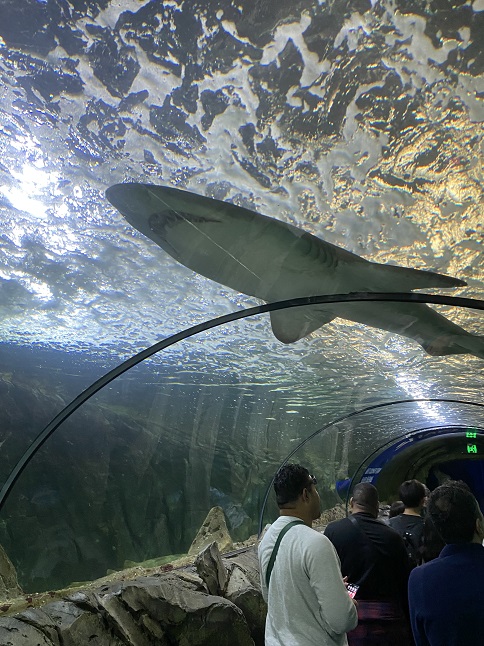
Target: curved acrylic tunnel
<point>358,127</point>
<point>431,455</point>
<point>131,473</point>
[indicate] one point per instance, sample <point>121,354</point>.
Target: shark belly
<point>273,260</point>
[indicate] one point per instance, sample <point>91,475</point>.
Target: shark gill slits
<point>325,256</point>
<point>160,221</point>
<point>163,220</point>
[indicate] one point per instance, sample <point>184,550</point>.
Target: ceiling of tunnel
<point>360,122</point>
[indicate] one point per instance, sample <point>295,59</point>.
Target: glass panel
<point>35,384</point>
<point>131,475</point>
<point>357,128</point>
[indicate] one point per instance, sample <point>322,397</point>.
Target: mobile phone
<point>352,589</point>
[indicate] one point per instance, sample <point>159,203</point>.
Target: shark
<point>272,260</point>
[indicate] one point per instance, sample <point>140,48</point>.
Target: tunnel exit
<point>432,456</point>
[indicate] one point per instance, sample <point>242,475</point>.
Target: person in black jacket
<point>446,595</point>
<point>410,523</point>
<point>373,557</point>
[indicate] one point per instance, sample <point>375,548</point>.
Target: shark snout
<point>129,199</point>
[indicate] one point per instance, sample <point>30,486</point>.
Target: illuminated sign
<point>472,448</point>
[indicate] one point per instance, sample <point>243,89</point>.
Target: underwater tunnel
<point>166,167</point>
<point>432,455</point>
<point>128,470</point>
<point>429,455</point>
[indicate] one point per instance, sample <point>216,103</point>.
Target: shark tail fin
<point>404,279</point>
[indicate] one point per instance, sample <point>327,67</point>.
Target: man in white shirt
<point>307,601</point>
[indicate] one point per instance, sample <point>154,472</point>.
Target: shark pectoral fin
<point>292,324</point>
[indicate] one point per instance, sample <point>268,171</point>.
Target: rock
<point>243,589</point>
<point>14,632</point>
<point>131,631</point>
<point>211,569</point>
<point>214,528</point>
<point>9,586</point>
<point>186,615</point>
<point>38,619</point>
<point>237,581</point>
<point>248,598</point>
<point>79,625</point>
<point>248,562</point>
<point>162,560</point>
<point>163,608</point>
<point>328,515</point>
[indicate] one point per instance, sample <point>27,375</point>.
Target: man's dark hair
<point>366,495</point>
<point>453,511</point>
<point>289,483</point>
<point>396,508</point>
<point>411,493</point>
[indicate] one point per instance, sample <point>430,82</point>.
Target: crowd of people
<point>415,580</point>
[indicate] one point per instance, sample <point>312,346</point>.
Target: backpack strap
<point>370,549</point>
<point>276,548</point>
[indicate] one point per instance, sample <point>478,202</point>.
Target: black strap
<point>276,548</point>
<point>371,549</point>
